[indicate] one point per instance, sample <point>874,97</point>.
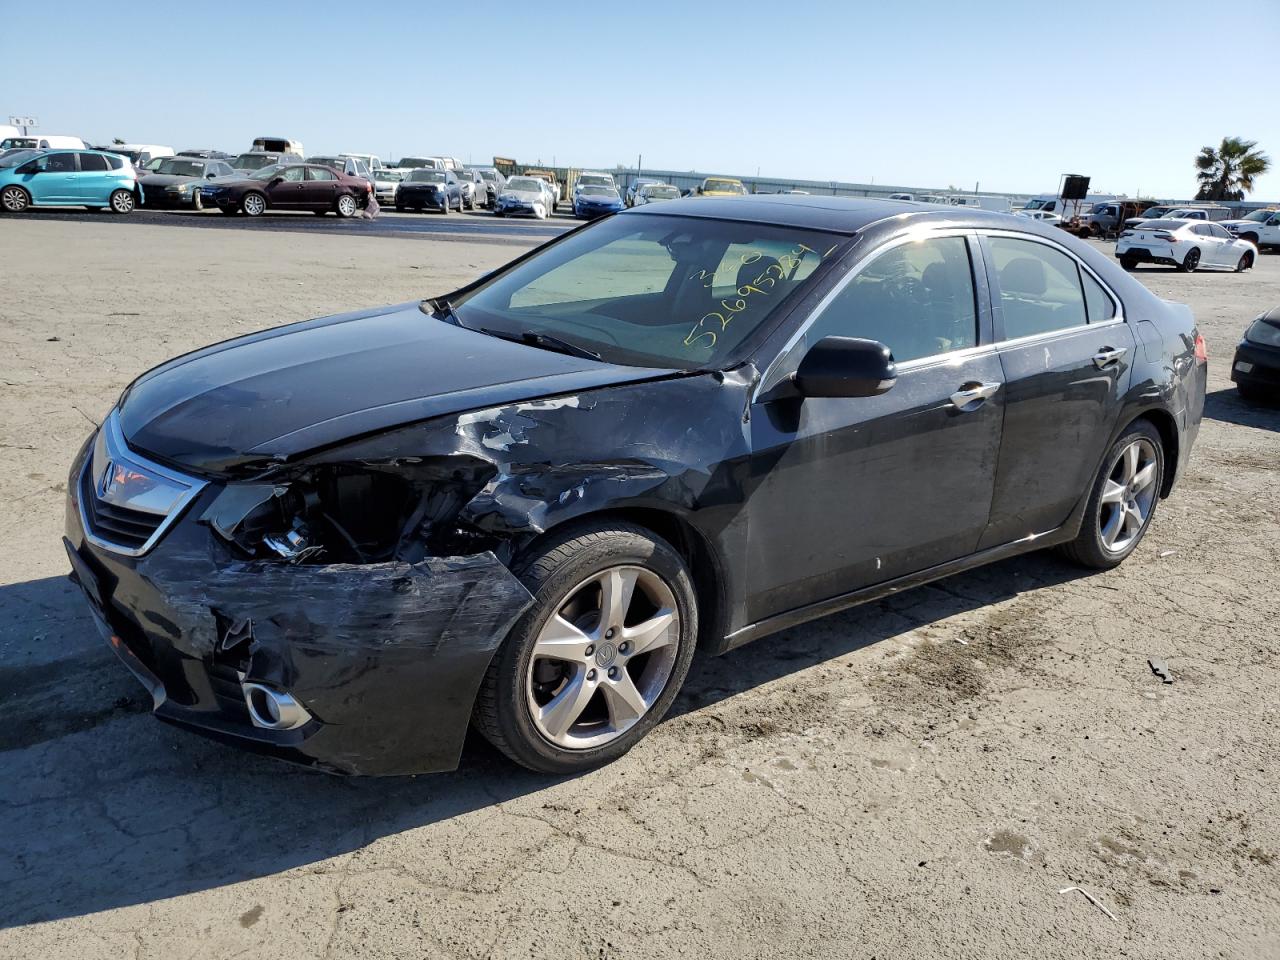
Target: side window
<point>114,161</point>
<point>1219,231</point>
<point>93,162</point>
<point>917,299</point>
<point>1039,287</point>
<point>292,174</point>
<point>1101,306</point>
<point>60,163</point>
<point>1201,230</point>
<point>320,173</point>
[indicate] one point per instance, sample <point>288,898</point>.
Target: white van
<point>140,153</point>
<point>430,163</point>
<point>982,202</point>
<point>277,145</point>
<point>43,142</point>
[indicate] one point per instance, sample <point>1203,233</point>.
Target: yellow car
<point>721,187</point>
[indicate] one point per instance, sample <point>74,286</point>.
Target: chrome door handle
<point>1108,355</point>
<point>971,395</point>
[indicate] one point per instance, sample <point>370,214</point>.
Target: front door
<point>854,492</point>
<point>286,191</point>
<point>1067,353</point>
<point>57,180</point>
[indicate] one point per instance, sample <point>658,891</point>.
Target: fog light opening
<point>273,709</point>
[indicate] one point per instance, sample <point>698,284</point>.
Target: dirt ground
<point>921,777</point>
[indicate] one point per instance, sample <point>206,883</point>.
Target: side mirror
<point>210,176</point>
<point>276,181</point>
<point>845,367</point>
<point>27,169</point>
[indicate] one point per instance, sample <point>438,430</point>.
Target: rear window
<point>1162,224</point>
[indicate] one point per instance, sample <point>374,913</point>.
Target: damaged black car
<point>522,506</point>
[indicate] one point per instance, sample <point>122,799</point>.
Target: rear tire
<point>1124,494</point>
<point>1190,261</point>
<point>347,206</point>
<point>1129,263</point>
<point>565,573</point>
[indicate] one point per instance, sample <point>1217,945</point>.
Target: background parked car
<point>370,160</point>
<point>69,178</point>
<point>720,187</point>
<point>293,186</point>
<point>630,196</point>
<point>475,193</point>
<point>277,145</point>
<point>351,166</point>
<point>205,153</point>
<point>386,181</point>
<point>523,196</point>
<point>1185,244</point>
<point>1260,227</point>
<point>596,201</point>
<point>140,154</point>
<point>247,163</point>
<point>426,189</point>
<point>178,181</point>
<point>1197,213</point>
<point>590,179</point>
<point>1256,365</point>
<point>553,186</point>
<point>654,193</point>
<point>494,181</point>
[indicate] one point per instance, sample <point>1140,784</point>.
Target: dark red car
<point>294,186</point>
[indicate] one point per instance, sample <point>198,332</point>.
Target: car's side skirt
<point>844,601</point>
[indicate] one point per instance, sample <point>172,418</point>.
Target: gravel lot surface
<point>920,777</point>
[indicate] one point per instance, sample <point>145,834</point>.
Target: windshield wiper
<point>544,341</point>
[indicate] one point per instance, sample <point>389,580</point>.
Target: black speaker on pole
<point>1075,187</point>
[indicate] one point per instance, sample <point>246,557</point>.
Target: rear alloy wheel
<point>254,204</point>
<point>1123,500</point>
<point>1191,261</point>
<point>121,201</point>
<point>594,664</point>
<point>347,206</point>
<point>1246,261</point>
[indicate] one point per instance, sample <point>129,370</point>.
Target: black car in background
<point>523,504</point>
<point>296,186</point>
<point>1255,369</point>
<point>178,181</point>
<point>425,189</point>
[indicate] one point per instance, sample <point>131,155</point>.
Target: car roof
<point>835,214</point>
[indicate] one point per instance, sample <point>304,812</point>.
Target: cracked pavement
<point>918,777</point>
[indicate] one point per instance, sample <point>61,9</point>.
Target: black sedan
<point>692,424</point>
<point>295,186</point>
<point>179,181</point>
<point>1256,365</point>
<point>425,189</point>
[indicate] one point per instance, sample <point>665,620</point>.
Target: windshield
<point>661,193</point>
<point>1035,204</point>
<point>653,291</point>
<point>1258,216</point>
<point>408,162</point>
<point>328,162</point>
<point>17,157</point>
<point>527,184</point>
<point>180,168</point>
<point>427,176</point>
<point>488,175</point>
<point>254,161</point>
<point>724,186</point>
<point>394,176</point>
<point>266,173</point>
<point>590,191</point>
<point>595,180</point>
<point>19,142</point>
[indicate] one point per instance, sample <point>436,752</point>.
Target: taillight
<point>1202,349</point>
<point>1163,236</point>
<point>1126,233</point>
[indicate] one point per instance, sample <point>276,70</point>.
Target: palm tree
<point>1228,172</point>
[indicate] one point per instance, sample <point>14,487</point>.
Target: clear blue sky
<point>930,93</point>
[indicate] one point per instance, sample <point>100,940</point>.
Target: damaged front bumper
<point>383,659</point>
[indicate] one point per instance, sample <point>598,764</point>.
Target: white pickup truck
<point>1261,228</point>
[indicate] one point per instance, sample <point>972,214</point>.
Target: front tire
<point>254,204</point>
<point>14,199</point>
<point>597,660</point>
<point>121,201</point>
<point>1123,499</point>
<point>1246,261</point>
<point>1190,261</point>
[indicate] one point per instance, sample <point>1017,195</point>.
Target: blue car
<point>67,178</point>
<point>592,201</point>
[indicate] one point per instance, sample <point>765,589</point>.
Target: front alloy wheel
<point>14,199</point>
<point>593,665</point>
<point>254,204</point>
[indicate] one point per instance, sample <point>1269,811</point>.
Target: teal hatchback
<point>67,178</point>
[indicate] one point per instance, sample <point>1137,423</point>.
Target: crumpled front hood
<point>277,394</point>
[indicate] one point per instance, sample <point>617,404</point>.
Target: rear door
<point>320,192</point>
<point>1228,255</point>
<point>1066,354</point>
<point>95,182</point>
<point>857,491</point>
